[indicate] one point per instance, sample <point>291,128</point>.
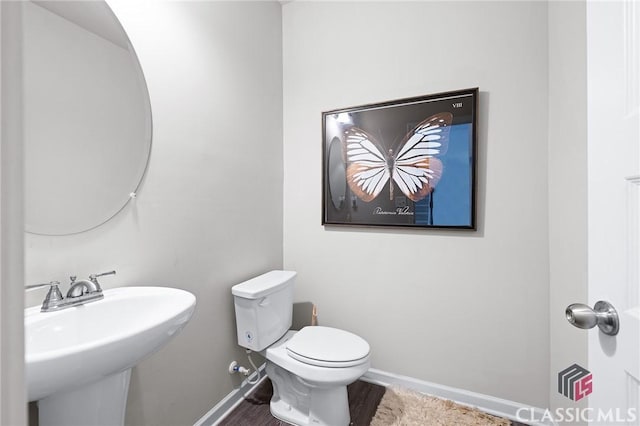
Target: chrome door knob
<point>603,315</point>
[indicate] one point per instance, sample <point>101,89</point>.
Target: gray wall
<point>210,211</point>
<point>465,309</point>
<point>567,187</point>
<point>12,383</point>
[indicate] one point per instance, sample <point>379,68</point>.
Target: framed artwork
<point>403,163</point>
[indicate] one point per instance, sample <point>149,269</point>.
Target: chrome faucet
<point>80,292</point>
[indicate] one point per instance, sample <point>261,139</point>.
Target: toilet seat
<point>327,347</point>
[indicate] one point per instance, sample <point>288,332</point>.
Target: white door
<point>613,76</point>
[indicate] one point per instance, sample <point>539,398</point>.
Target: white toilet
<point>311,368</point>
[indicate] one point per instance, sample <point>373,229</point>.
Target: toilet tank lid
<point>262,285</point>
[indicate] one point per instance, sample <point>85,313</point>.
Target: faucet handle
<point>93,277</point>
<point>53,297</point>
<point>32,286</point>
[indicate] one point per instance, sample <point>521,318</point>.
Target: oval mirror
<point>87,116</point>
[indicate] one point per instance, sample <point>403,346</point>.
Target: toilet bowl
<point>309,369</point>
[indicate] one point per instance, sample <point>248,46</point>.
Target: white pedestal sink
<point>79,360</point>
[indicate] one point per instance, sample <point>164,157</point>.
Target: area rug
<point>404,407</point>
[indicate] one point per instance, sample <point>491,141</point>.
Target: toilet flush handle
<point>265,301</point>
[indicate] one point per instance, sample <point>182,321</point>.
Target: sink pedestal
<point>96,404</point>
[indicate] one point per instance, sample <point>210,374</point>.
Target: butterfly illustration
<point>414,168</point>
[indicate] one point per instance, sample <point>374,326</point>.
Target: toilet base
<point>303,404</point>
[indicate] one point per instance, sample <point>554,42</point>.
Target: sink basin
<point>75,348</point>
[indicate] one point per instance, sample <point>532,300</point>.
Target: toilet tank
<point>264,307</point>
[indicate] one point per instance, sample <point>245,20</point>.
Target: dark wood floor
<point>254,410</point>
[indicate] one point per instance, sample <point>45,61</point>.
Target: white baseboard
<point>488,404</point>
<point>231,401</point>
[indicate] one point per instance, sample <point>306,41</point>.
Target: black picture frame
<point>407,163</point>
